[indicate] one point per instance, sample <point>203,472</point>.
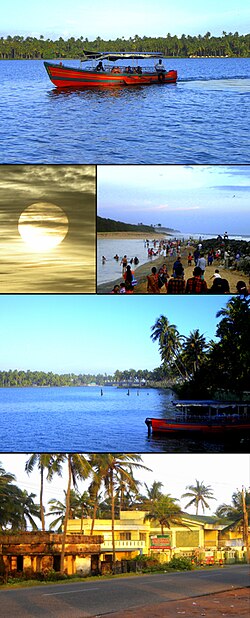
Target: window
<point>125,536</point>
<point>143,536</point>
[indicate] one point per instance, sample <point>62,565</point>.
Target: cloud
<point>176,208</point>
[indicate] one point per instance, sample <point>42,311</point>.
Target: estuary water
<point>204,118</point>
<point>80,419</point>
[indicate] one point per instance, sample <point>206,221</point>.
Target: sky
<point>223,472</point>
<point>58,18</point>
<point>199,199</point>
<point>92,334</point>
<point>70,266</point>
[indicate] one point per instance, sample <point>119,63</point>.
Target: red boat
<point>204,418</point>
<point>110,75</point>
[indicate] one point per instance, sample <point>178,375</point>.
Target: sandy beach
<point>142,271</point>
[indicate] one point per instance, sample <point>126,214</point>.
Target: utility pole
<point>245,524</point>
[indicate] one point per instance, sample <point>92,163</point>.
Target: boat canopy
<point>210,403</point>
<point>113,56</point>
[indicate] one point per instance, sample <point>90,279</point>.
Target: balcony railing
<point>123,545</point>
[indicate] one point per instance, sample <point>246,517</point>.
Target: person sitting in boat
<point>115,70</point>
<point>159,67</point>
<point>100,66</point>
<point>138,70</point>
<point>128,69</point>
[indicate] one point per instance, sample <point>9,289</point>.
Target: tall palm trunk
<point>66,516</point>
<point>93,517</point>
<point>41,500</point>
<point>113,517</point>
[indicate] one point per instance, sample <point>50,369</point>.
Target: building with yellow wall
<point>134,536</point>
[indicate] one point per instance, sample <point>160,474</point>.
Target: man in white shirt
<point>160,67</point>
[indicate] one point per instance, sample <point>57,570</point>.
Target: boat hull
<point>68,77</point>
<point>172,427</point>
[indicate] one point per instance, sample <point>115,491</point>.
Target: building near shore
<point>200,537</point>
<point>36,552</point>
<point>199,534</point>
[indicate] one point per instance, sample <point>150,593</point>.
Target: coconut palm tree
<point>154,493</point>
<point>44,461</point>
<point>127,491</point>
<point>194,351</point>
<point>233,513</point>
<point>165,512</point>
<point>199,494</point>
<point>111,469</point>
<point>78,469</point>
<point>239,513</point>
<point>58,508</point>
<point>170,342</point>
<point>119,466</point>
<point>27,510</point>
<point>9,500</point>
<point>232,353</point>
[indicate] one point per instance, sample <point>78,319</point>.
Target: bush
<point>52,576</point>
<point>180,564</point>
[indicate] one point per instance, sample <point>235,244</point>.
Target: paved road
<point>100,597</point>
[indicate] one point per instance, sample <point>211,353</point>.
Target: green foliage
<point>231,44</point>
<point>180,564</point>
<point>219,367</point>
<point>109,225</point>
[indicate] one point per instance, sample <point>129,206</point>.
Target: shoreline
<point>144,269</point>
<point>135,235</point>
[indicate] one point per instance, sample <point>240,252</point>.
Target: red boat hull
<point>68,77</point>
<point>169,426</point>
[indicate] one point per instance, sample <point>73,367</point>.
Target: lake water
<point>204,118</point>
<point>81,420</point>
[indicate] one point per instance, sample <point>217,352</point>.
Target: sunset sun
<point>43,226</point>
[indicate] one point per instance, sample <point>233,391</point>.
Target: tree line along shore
<point>227,45</point>
<point>192,366</point>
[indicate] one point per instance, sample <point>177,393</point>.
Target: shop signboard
<point>160,541</point>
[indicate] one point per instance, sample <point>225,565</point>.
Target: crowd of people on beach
<point>162,280</point>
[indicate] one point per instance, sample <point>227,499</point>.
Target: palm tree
<point>238,512</point>
<point>194,350</point>
<point>27,510</point>
<point>165,512</point>
<point>119,466</point>
<point>109,469</point>
<point>169,343</point>
<point>9,499</point>
<point>199,493</point>
<point>127,491</point>
<point>44,461</point>
<point>233,513</point>
<point>58,508</point>
<point>232,353</point>
<point>153,494</point>
<point>82,506</point>
<point>78,469</point>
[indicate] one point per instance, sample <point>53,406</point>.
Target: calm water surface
<point>81,420</point>
<point>204,118</point>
